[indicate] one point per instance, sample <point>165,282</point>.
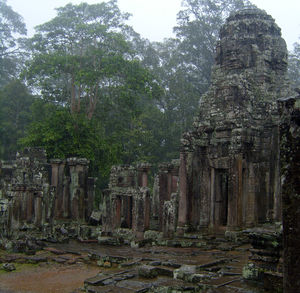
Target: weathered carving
<point>230,169</point>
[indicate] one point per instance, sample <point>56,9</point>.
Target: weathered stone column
<point>141,212</point>
<point>90,196</point>
<point>57,180</point>
<point>143,170</point>
<point>175,175</point>
<point>78,173</point>
<point>235,193</point>
<point>38,209</point>
<point>106,213</point>
<point>290,166</point>
<point>164,192</point>
<point>183,201</point>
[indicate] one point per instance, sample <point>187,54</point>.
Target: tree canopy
<point>11,24</point>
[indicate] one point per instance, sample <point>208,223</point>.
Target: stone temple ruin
<point>230,163</point>
<point>34,194</point>
<point>229,175</point>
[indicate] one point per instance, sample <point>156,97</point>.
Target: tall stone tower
<point>230,167</point>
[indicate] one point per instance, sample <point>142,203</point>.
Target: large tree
<point>294,66</point>
<point>198,26</point>
<point>92,85</point>
<point>11,25</point>
<point>80,59</point>
<point>183,65</point>
<point>15,116</point>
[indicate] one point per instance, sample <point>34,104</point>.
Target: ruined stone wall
<point>26,191</point>
<point>230,167</point>
<point>126,202</point>
<point>34,193</point>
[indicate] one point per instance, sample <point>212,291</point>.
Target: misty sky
<point>155,19</point>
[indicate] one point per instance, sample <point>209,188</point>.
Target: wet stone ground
<point>210,265</point>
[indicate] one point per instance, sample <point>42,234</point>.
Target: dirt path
<point>60,278</point>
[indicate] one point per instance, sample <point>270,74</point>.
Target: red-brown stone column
<point>143,169</point>
<point>38,210</point>
<point>57,180</point>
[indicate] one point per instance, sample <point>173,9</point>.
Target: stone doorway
<point>126,219</point>
<point>221,198</point>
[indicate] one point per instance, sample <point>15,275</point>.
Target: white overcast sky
<point>155,19</point>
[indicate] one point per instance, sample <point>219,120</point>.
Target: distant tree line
<point>86,84</point>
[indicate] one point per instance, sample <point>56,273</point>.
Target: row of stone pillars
<point>74,193</point>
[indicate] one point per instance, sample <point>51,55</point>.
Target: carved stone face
<point>249,40</point>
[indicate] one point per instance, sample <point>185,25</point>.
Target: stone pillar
<point>90,196</point>
<point>78,189</point>
<point>38,209</point>
<point>155,197</point>
<point>183,192</point>
<point>164,192</point>
<point>57,180</point>
<point>15,213</point>
<point>235,192</point>
<point>170,216</point>
<point>175,176</point>
<point>290,158</point>
<point>143,170</point>
<point>116,211</point>
<point>141,212</point>
<point>106,213</point>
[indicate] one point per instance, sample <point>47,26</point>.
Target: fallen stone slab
<point>117,259</point>
<point>165,271</point>
<point>95,218</point>
<point>173,243</point>
<point>135,285</point>
<point>97,256</point>
<point>197,278</point>
<point>212,264</point>
<point>108,288</point>
<point>140,243</point>
<point>8,267</point>
<point>147,271</point>
<point>131,263</point>
<point>154,263</point>
<point>61,231</point>
<point>8,258</point>
<point>58,259</point>
<point>35,259</point>
<point>54,251</point>
<point>64,240</point>
<point>114,241</point>
<point>98,280</point>
<point>184,272</point>
<point>273,281</point>
<point>171,263</point>
<point>72,252</point>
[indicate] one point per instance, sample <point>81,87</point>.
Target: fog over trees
<point>86,84</point>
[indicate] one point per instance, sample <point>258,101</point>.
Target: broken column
<point>168,181</point>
